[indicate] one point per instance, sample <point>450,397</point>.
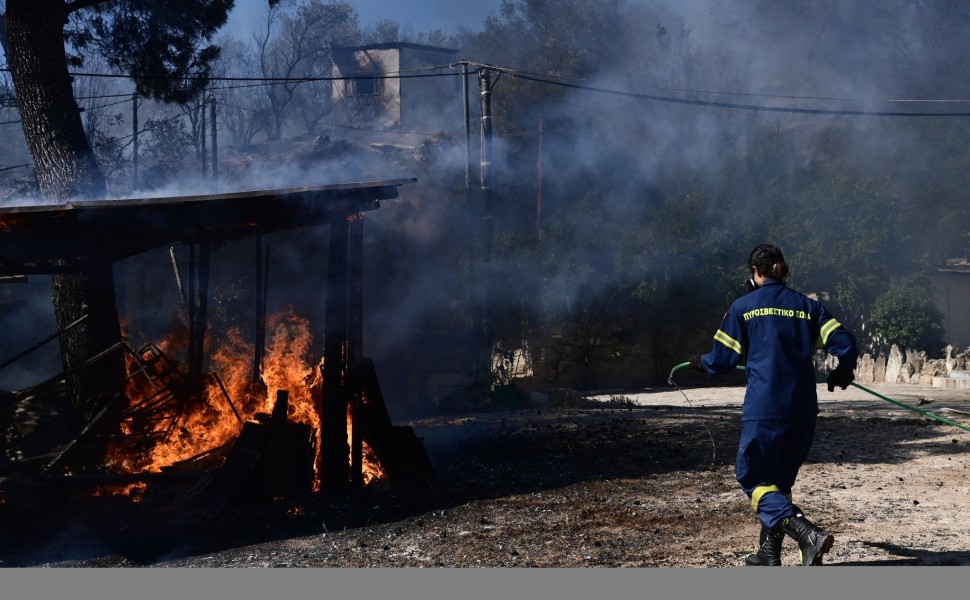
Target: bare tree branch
<point>77,5</point>
<point>3,33</point>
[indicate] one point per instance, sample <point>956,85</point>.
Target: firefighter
<point>775,331</point>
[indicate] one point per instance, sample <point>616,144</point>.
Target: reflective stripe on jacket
<point>775,331</point>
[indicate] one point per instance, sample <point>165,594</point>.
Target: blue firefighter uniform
<point>775,331</point>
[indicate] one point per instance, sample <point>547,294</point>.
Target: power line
<point>361,76</point>
<point>566,82</point>
<point>556,78</point>
<point>419,72</point>
<point>718,104</point>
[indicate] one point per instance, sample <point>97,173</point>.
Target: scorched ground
<point>643,480</point>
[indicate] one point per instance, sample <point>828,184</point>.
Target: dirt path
<point>892,485</point>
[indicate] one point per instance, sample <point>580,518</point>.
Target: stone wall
<point>908,366</point>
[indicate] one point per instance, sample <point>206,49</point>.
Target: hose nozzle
<point>670,378</point>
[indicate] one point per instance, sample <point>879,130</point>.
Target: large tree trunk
<point>65,164</point>
<point>66,169</point>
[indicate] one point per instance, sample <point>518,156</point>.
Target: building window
<point>366,86</point>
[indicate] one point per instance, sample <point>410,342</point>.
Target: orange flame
<point>370,466</point>
<point>211,422</point>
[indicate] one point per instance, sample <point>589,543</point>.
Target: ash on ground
<point>642,480</point>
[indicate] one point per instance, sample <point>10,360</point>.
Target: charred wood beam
<point>183,301</point>
<point>355,266</point>
<point>335,470</point>
<point>262,290</point>
<point>190,306</point>
<point>198,306</point>
<point>225,394</point>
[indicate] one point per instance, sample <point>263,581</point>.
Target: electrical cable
<point>731,105</point>
<point>560,81</point>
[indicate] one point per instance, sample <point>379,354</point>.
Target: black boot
<point>769,549</point>
<point>813,541</point>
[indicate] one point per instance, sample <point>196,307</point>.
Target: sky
<point>420,15</point>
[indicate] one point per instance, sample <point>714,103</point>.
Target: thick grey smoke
<point>648,198</point>
<point>688,134</point>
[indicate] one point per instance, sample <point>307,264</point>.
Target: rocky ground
<point>619,480</point>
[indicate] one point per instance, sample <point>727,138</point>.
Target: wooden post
<point>335,469</point>
<point>262,286</point>
<point>190,307</point>
<point>355,261</point>
<point>198,308</point>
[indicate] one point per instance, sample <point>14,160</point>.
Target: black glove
<point>696,364</point>
<point>840,377</point>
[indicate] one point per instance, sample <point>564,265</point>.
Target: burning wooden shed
<point>343,422</point>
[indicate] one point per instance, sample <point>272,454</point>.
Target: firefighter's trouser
<point>770,453</point>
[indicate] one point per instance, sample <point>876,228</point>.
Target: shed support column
<point>198,306</point>
<point>335,468</point>
<point>355,262</point>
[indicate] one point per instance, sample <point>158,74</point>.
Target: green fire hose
<point>928,415</point>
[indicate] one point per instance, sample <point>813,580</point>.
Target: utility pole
<point>469,203</point>
<point>205,157</point>
<point>488,226</point>
<point>468,126</point>
<point>539,179</point>
<point>215,145</point>
<point>134,142</point>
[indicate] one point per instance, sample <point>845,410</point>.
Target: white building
<point>398,86</point>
